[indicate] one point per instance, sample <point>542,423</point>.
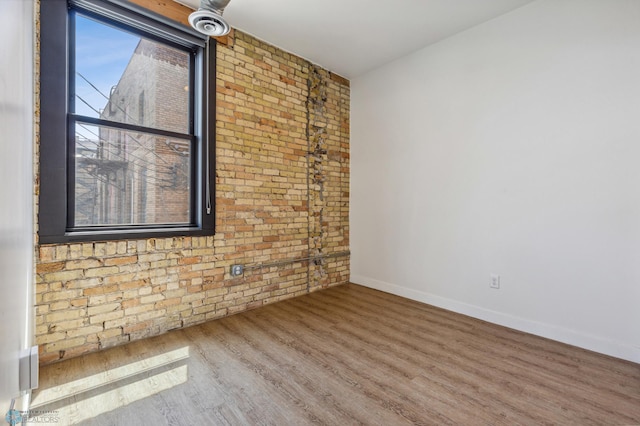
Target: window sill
<point>120,235</point>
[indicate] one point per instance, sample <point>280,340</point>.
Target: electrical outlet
<point>237,270</point>
<point>495,281</point>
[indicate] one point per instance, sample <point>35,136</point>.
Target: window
<point>125,111</point>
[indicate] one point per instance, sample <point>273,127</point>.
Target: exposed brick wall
<point>91,296</point>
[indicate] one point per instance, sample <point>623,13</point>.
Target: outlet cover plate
<point>237,270</point>
<point>495,281</point>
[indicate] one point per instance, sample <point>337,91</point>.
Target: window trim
<point>56,121</point>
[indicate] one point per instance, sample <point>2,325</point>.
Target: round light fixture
<point>209,23</point>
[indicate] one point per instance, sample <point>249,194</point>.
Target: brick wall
<point>282,194</point>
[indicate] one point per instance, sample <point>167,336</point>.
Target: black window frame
<point>57,122</point>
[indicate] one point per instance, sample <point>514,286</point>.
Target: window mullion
<point>130,127</point>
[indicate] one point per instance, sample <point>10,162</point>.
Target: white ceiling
<point>351,37</point>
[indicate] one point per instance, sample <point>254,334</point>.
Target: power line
<point>91,84</point>
<point>134,138</point>
<point>166,182</point>
<point>110,101</point>
<point>154,170</point>
<point>87,104</point>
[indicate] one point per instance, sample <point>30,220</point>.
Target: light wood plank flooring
<point>343,356</point>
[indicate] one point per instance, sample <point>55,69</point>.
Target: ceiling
<point>351,37</point>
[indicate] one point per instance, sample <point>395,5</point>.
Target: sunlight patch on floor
<point>88,397</point>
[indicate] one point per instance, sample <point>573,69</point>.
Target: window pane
<point>128,79</point>
<point>130,178</point>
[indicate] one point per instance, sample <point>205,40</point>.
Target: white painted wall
<point>511,148</point>
<point>16,192</point>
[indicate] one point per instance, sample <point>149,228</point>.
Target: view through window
<point>131,116</point>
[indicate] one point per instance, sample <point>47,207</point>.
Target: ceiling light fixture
<point>208,18</point>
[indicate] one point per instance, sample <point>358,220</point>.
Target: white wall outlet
<point>495,281</point>
<point>237,270</point>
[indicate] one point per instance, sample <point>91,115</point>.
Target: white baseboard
<point>581,340</point>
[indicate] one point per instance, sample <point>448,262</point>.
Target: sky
<point>102,54</point>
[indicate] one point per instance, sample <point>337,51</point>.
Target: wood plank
<point>345,355</point>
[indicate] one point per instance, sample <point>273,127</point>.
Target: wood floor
<point>347,355</point>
